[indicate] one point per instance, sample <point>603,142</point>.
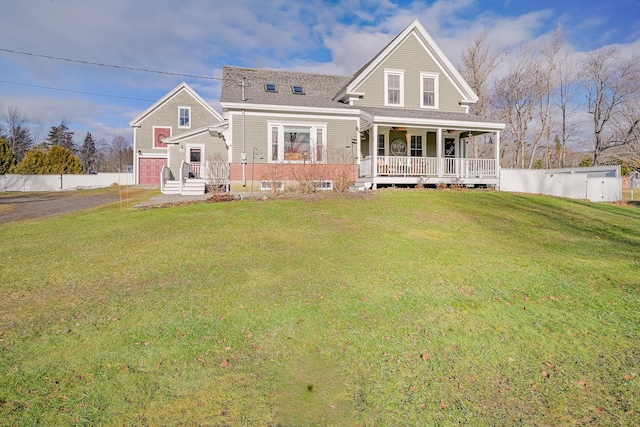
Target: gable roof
<point>415,28</point>
<point>175,91</point>
<point>319,89</point>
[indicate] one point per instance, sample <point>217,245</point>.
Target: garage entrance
<point>149,170</point>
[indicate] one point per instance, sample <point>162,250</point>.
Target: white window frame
<point>391,72</point>
<point>322,185</point>
<point>188,125</point>
<point>266,185</point>
<point>436,101</point>
<point>313,132</point>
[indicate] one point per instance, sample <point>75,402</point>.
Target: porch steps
<point>361,185</point>
<point>171,187</point>
<point>191,187</point>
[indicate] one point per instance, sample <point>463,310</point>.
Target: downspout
<point>243,155</point>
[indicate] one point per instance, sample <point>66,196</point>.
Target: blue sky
<point>198,37</point>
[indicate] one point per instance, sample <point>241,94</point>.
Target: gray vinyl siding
<point>339,133</point>
<point>431,144</point>
<point>167,115</point>
<point>212,146</point>
<point>411,57</point>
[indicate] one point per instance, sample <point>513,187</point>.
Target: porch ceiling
<point>426,119</point>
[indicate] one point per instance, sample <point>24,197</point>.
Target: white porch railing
<point>194,169</point>
<point>428,166</point>
<point>165,175</point>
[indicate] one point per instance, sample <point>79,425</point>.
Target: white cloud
<point>200,36</point>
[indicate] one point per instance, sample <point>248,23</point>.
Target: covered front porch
<point>429,152</point>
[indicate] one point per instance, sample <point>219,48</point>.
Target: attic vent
<point>270,87</point>
<point>298,90</point>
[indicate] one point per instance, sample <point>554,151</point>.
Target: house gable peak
<point>416,29</point>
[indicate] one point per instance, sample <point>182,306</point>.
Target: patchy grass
<point>408,308</point>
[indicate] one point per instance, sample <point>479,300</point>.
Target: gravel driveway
<point>21,206</point>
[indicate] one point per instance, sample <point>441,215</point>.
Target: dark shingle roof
<point>319,89</point>
<point>423,114</point>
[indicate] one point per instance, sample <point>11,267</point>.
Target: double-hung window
<point>184,117</point>
<point>416,145</point>
<point>394,87</point>
<point>381,145</point>
<point>297,142</point>
<point>429,90</point>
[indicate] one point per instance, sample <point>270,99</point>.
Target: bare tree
<point>217,171</point>
<point>566,103</point>
<point>14,128</point>
<point>479,61</point>
<point>119,155</point>
<point>612,83</point>
<point>515,98</point>
<point>545,81</point>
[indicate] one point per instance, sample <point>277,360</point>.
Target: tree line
<point>23,150</point>
<point>561,108</point>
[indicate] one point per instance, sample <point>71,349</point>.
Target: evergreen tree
<point>57,160</point>
<point>88,154</point>
<point>32,163</point>
<point>60,160</point>
<point>61,136</point>
<point>7,158</point>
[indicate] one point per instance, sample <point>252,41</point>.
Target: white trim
<point>289,108</point>
<point>153,137</point>
<point>313,130</point>
<point>391,72</point>
<point>182,86</point>
<point>146,156</point>
<point>451,124</point>
<point>220,127</point>
<point>203,159</point>
<point>188,125</point>
<point>436,90</point>
<point>266,185</point>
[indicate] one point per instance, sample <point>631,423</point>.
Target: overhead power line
<point>122,67</point>
<point>76,91</point>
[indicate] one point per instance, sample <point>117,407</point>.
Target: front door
<point>195,160</point>
<point>450,156</point>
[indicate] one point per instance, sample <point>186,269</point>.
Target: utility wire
<point>122,67</point>
<point>76,91</point>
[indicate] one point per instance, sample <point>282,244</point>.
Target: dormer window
<point>298,90</point>
<point>270,87</point>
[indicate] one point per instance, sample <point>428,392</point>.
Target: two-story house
<point>402,119</point>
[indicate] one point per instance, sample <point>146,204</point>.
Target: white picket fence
<point>24,183</point>
<point>597,184</point>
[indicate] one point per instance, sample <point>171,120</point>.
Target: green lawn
<point>406,308</point>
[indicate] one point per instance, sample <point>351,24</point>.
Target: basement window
<point>298,90</point>
<point>270,87</point>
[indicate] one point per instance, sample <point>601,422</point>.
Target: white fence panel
<point>603,185</point>
<point>604,189</point>
<point>62,182</point>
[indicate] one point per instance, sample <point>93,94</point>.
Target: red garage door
<point>149,170</point>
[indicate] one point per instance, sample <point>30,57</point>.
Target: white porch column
<point>439,151</point>
<point>497,154</point>
<point>373,145</point>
